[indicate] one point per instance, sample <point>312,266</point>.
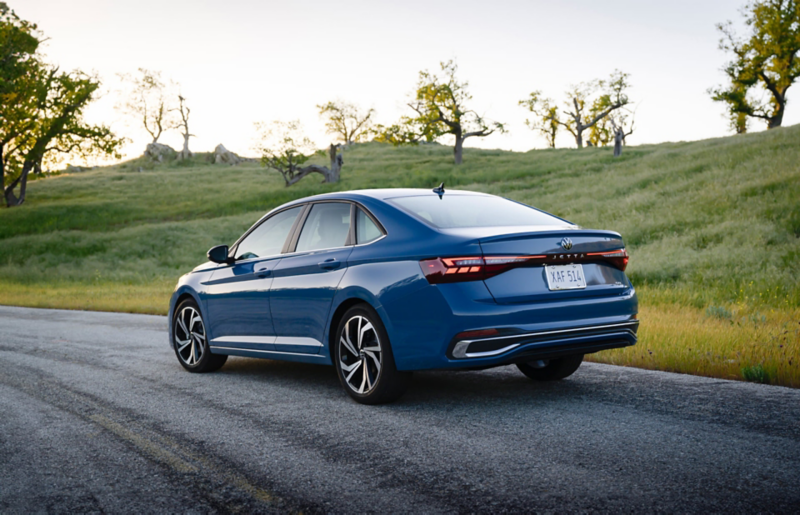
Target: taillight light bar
<point>618,258</point>
<point>470,268</point>
<point>477,268</point>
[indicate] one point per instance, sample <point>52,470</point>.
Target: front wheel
<point>551,370</point>
<point>190,342</point>
<point>364,360</point>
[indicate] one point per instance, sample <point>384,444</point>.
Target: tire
<point>363,358</point>
<point>189,340</point>
<point>552,370</point>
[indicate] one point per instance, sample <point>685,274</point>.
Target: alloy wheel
<point>190,336</point>
<point>360,356</point>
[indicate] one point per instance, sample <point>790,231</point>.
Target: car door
<point>306,279</point>
<point>237,299</point>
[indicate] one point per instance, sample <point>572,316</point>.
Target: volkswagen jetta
<point>380,283</point>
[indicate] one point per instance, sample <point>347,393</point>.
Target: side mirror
<point>219,254</point>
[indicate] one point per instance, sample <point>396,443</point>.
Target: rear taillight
<point>618,258</point>
<point>471,268</point>
<point>477,268</point>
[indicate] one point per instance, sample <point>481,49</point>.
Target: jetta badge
<point>566,243</point>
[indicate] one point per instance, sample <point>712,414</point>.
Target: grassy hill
<point>713,228</point>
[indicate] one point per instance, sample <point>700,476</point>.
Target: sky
<point>245,61</point>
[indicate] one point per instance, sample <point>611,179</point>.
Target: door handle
<point>329,264</point>
<point>262,273</point>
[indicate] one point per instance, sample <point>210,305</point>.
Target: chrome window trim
<point>294,253</point>
<point>235,246</point>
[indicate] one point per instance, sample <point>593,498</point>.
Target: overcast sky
<point>242,61</point>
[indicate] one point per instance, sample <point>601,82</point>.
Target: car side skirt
<point>269,354</point>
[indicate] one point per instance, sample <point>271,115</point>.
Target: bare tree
<point>621,127</point>
<point>285,148</point>
<point>346,120</point>
<point>148,101</point>
<point>183,125</point>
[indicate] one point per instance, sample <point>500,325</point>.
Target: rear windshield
<point>455,211</point>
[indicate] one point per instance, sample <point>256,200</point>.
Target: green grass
<point>713,228</point>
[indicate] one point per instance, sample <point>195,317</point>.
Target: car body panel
<point>301,296</point>
<point>237,300</point>
<point>298,304</point>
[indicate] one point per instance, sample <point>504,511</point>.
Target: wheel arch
<point>337,318</point>
<point>179,296</point>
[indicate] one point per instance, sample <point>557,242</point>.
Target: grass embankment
<point>713,228</point>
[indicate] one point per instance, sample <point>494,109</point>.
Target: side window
<point>268,238</point>
<point>326,227</point>
<point>366,230</point>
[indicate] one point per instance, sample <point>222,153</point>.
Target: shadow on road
<point>430,388</point>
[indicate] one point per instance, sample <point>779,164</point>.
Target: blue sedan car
<point>379,283</point>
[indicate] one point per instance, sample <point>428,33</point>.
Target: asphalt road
<point>96,415</point>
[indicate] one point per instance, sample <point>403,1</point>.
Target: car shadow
<point>428,388</point>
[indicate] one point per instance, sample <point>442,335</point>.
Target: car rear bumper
<point>425,328</point>
<point>547,344</point>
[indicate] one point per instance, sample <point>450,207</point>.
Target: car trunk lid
<point>598,255</point>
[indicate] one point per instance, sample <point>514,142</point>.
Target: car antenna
<point>440,190</point>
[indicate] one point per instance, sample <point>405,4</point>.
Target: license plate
<point>565,277</point>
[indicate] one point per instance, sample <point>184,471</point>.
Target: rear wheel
<point>364,361</point>
<point>551,370</point>
<point>190,342</point>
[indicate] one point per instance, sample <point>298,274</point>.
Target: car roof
<point>382,194</point>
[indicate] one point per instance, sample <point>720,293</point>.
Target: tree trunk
<point>579,136</point>
<point>185,153</point>
<point>777,115</point>
<point>21,181</point>
<point>618,137</point>
<point>336,164</point>
<point>458,150</point>
<point>330,174</point>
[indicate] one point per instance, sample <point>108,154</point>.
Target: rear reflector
<point>480,333</point>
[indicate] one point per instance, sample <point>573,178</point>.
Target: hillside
<point>713,228</point>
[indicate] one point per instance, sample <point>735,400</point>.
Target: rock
<point>224,156</point>
<point>160,152</point>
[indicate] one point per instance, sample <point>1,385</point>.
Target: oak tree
<point>440,108</point>
<point>41,109</point>
<point>586,104</point>
<point>285,148</point>
<point>545,116</point>
<point>765,63</point>
<point>346,120</point>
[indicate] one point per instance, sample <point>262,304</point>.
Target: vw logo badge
<point>566,243</point>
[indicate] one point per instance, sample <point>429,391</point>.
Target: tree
<point>587,104</point>
<point>183,125</point>
<point>151,102</point>
<point>612,96</point>
<point>346,120</point>
<point>545,119</point>
<point>615,127</point>
<point>765,64</point>
<point>439,104</point>
<point>285,148</point>
<point>42,110</point>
